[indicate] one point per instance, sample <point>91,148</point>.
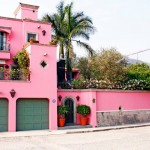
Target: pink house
<point>32,104</point>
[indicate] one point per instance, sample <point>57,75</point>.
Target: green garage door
<point>32,114</point>
<point>3,114</point>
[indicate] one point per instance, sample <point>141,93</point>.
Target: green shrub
<point>135,84</point>
<point>79,84</point>
<point>62,110</point>
<point>15,74</point>
<point>83,110</point>
<point>22,59</point>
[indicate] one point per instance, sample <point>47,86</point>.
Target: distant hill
<point>133,61</point>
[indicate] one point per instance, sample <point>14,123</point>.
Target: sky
<point>121,24</point>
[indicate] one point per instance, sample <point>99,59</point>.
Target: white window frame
<point>31,33</point>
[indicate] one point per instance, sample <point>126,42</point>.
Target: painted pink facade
<point>43,81</point>
<point>86,97</point>
<point>128,100</point>
<point>107,101</point>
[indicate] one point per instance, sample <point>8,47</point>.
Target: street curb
<point>99,129</point>
<point>67,131</point>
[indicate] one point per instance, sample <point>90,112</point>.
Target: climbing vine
<point>21,59</point>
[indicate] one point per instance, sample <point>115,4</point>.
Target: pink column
<point>92,103</point>
<point>12,115</point>
<point>53,114</point>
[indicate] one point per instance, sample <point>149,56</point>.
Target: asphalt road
<point>124,139</point>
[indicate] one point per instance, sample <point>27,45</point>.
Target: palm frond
<point>78,15</point>
<point>81,34</point>
<point>86,47</point>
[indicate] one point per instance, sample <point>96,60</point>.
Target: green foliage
<point>15,74</point>
<point>135,84</point>
<point>110,69</point>
<point>62,110</point>
<point>83,110</point>
<point>96,84</point>
<point>1,69</point>
<point>105,71</point>
<point>1,73</point>
<point>103,65</point>
<point>67,27</point>
<point>21,59</point>
<point>79,84</point>
<point>139,71</point>
<point>85,67</point>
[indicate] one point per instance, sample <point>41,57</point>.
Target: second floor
<point>14,32</point>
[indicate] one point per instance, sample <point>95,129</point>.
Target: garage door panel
<point>36,119</point>
<point>27,109</point>
<point>44,125</point>
<point>25,113</point>
<point>36,111</point>
<point>44,119</point>
<point>43,110</point>
<point>32,114</point>
<point>3,102</point>
<point>37,126</point>
<point>3,120</point>
<point>27,126</point>
<point>3,127</point>
<point>3,114</point>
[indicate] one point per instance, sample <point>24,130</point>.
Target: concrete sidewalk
<point>67,131</point>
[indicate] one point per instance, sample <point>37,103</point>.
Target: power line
<point>137,52</point>
<point>124,57</point>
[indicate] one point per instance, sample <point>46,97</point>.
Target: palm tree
<point>57,21</point>
<point>77,26</point>
<point>68,26</point>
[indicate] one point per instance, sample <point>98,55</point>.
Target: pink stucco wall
<point>19,30</point>
<point>128,100</point>
<point>43,81</point>
<point>86,97</point>
<point>5,55</point>
<point>24,11</point>
<point>107,100</point>
<point>28,13</point>
<point>42,84</point>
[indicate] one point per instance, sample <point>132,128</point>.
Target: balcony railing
<point>4,46</point>
<point>14,75</point>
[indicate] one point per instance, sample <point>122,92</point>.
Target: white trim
<point>74,103</point>
<point>37,37</point>
<point>123,110</point>
<point>2,62</point>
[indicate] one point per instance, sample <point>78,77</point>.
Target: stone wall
<point>122,117</point>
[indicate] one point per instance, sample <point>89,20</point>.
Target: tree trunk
<point>61,50</point>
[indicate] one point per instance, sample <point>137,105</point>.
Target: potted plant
<point>84,110</point>
<point>32,40</point>
<point>15,74</point>
<point>62,110</point>
<point>1,73</point>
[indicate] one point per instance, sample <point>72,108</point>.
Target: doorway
<point>70,117</point>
